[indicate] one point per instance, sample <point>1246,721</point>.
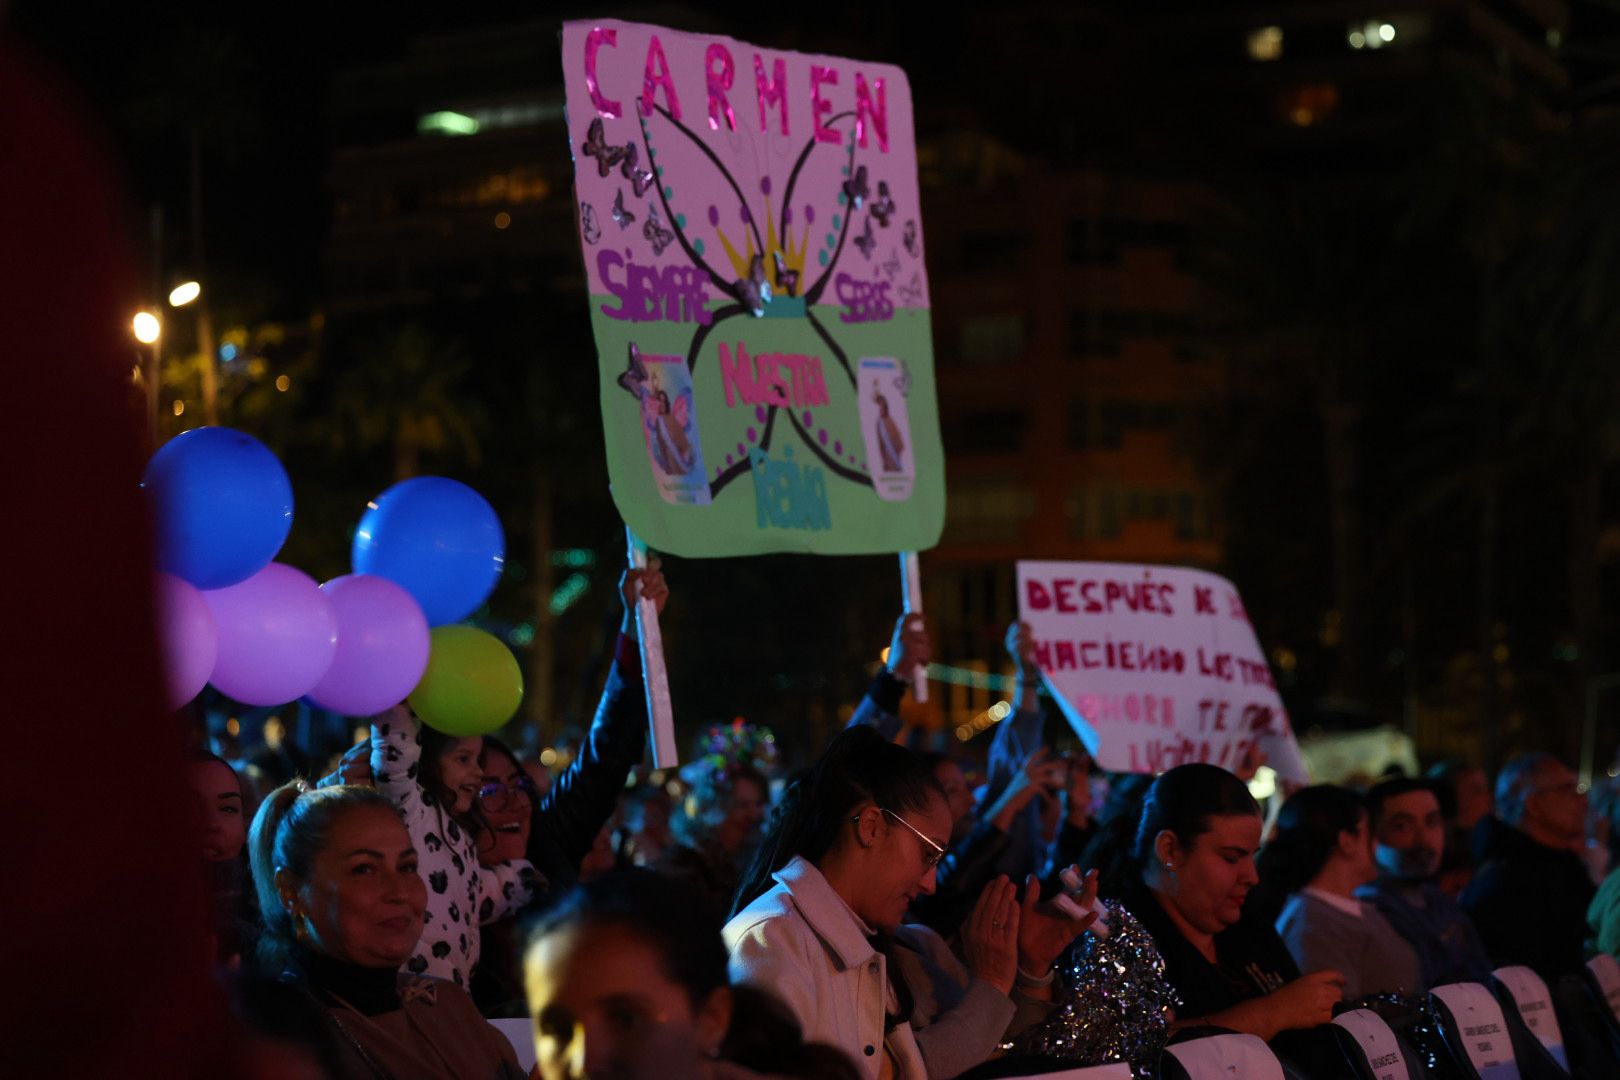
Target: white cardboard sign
<point>1535,1007</point>
<point>1481,1028</point>
<point>1155,666</point>
<point>1376,1041</point>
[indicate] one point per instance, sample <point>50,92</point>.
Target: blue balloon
<point>439,540</point>
<point>223,506</point>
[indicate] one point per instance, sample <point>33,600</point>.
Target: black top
<point>1251,960</point>
<point>371,991</point>
<point>1529,902</point>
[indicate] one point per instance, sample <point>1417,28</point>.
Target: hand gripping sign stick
<point>660,715</point>
<point>911,600</point>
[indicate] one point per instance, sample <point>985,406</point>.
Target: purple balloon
<point>188,636</point>
<point>277,636</point>
<point>382,646</point>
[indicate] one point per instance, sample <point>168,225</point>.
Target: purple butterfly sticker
<point>633,380</point>
<point>786,280</point>
<point>891,265</point>
<point>883,205</point>
<point>754,291</point>
<point>640,179</point>
<point>855,188</point>
<point>866,241</point>
<point>655,232</point>
<point>912,247</point>
<point>621,216</point>
<point>587,223</point>
<point>596,146</point>
<point>911,295</point>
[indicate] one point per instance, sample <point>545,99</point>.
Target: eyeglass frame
<point>524,784</point>
<point>931,859</point>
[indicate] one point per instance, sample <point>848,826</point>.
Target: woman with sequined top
<point>1172,949</point>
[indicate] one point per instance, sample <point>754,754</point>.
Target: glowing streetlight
<point>184,293</point>
<point>147,328</point>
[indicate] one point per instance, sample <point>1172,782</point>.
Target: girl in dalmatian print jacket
<point>434,779</point>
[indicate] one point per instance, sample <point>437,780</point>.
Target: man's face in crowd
<point>1410,837</point>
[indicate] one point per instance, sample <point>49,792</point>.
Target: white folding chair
<point>520,1033</point>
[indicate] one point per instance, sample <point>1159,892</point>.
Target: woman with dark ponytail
<point>817,921</point>
<point>1321,854</point>
<point>343,903</point>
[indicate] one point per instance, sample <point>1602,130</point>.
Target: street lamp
<point>184,293</point>
<point>147,328</point>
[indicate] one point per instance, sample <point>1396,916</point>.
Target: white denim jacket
<point>801,942</point>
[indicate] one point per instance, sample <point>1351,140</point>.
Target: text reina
<point>720,75</point>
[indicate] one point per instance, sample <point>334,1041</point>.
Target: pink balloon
<point>189,638</point>
<point>382,646</point>
<point>277,636</point>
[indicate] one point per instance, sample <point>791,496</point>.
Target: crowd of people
<point>875,913</point>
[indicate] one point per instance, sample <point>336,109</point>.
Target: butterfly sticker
<point>787,280</point>
<point>587,223</point>
<point>891,265</point>
<point>621,216</point>
<point>866,241</point>
<point>633,380</point>
<point>655,232</point>
<point>911,295</point>
<point>902,381</point>
<point>855,188</point>
<point>640,179</point>
<point>596,146</point>
<point>754,291</point>
<point>883,205</point>
<point>911,239</point>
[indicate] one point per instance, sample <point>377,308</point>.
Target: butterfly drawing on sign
<point>620,215</point>
<point>866,241</point>
<point>911,239</point>
<point>596,146</point>
<point>754,291</point>
<point>640,179</point>
<point>587,223</point>
<point>655,232</point>
<point>633,379</point>
<point>902,382</point>
<point>883,205</point>
<point>911,295</point>
<point>786,279</point>
<point>891,265</point>
<point>855,188</point>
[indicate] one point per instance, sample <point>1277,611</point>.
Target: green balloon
<point>472,685</point>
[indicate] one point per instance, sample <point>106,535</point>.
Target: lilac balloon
<point>188,636</point>
<point>277,636</point>
<point>382,646</point>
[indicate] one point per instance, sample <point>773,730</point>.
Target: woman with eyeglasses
<point>818,920</point>
<point>505,809</point>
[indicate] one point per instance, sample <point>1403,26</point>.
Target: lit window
<point>1266,43</point>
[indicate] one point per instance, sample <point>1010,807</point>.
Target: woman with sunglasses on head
<point>818,919</point>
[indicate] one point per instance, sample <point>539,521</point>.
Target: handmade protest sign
<point>1155,666</point>
<point>750,224</point>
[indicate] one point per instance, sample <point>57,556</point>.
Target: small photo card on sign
<point>1534,1003</point>
<point>1480,1029</point>
<point>1376,1041</point>
<point>1155,666</point>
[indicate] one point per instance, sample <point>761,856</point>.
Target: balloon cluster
<point>427,554</point>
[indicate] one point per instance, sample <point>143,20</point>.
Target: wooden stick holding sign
<point>660,714</point>
<point>911,599</point>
